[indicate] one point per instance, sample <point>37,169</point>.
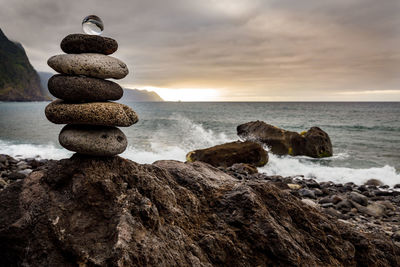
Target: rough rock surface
<point>226,155</point>
<point>85,43</point>
<point>94,113</point>
<point>317,144</point>
<point>93,140</point>
<point>83,89</point>
<point>92,65</point>
<point>114,212</point>
<point>313,143</point>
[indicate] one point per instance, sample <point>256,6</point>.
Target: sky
<point>231,50</point>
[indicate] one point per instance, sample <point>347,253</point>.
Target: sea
<point>365,135</point>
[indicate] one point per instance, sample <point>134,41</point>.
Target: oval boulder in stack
<point>84,96</point>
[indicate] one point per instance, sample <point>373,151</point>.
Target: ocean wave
<point>293,166</point>
<point>192,136</point>
<point>337,156</point>
<point>277,165</point>
<point>45,151</point>
<point>358,127</point>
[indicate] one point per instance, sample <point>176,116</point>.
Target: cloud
<point>277,49</point>
<point>368,92</point>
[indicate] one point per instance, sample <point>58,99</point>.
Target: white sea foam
<point>194,136</point>
<point>48,151</point>
<point>292,166</point>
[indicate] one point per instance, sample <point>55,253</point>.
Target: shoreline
<point>370,208</point>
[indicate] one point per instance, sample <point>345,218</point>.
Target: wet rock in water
<point>92,65</point>
<point>85,43</point>
<point>373,182</point>
<point>359,198</point>
<point>397,186</point>
<point>94,113</point>
<point>313,143</point>
<point>226,155</point>
<point>83,89</point>
<point>93,140</point>
<point>317,144</point>
<point>114,212</point>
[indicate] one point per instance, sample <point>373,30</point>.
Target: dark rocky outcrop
<point>18,79</point>
<point>226,155</point>
<point>114,212</point>
<point>313,143</point>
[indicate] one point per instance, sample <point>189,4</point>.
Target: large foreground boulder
<point>313,143</point>
<point>226,155</point>
<point>114,212</point>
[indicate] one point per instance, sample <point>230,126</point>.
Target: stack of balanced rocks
<point>84,96</point>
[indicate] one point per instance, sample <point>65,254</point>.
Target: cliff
<point>136,95</point>
<point>18,79</point>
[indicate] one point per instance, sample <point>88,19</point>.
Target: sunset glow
<point>185,94</point>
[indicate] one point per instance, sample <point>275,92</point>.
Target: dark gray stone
<point>306,193</point>
<point>85,43</point>
<point>327,205</point>
<point>359,198</point>
<point>373,182</point>
<point>93,140</point>
<point>83,89</point>
<point>16,176</point>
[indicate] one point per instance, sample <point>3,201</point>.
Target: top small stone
<point>84,43</point>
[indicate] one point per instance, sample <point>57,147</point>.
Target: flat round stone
<point>83,89</point>
<point>94,113</point>
<point>85,43</point>
<point>92,65</point>
<point>93,140</point>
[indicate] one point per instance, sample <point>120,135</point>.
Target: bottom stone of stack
<point>93,140</point>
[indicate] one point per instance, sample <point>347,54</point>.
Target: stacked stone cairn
<point>85,96</point>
